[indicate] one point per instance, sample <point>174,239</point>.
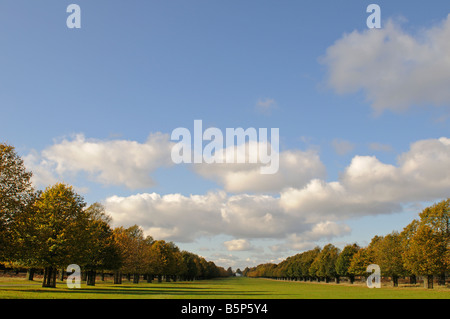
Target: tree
<point>344,259</point>
<point>307,259</point>
<point>437,217</point>
<point>324,263</point>
<point>360,261</point>
<point>406,235</point>
<point>388,255</point>
<point>426,243</point>
<point>100,252</point>
<point>426,254</point>
<point>160,258</point>
<point>190,270</point>
<point>54,231</point>
<point>16,194</point>
<point>134,250</point>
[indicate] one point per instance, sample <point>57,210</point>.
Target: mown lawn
<point>227,288</point>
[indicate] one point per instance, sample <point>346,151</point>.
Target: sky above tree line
<point>363,115</point>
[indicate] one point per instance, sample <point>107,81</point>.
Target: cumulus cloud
<point>42,169</point>
<point>300,214</point>
<point>130,163</point>
<point>238,245</point>
<point>297,204</point>
<point>395,70</point>
<point>296,169</point>
<point>320,231</point>
<point>368,186</point>
<point>184,218</point>
<point>110,162</point>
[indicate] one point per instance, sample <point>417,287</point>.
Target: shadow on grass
<point>95,292</point>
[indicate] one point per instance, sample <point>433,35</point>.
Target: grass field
<point>227,288</point>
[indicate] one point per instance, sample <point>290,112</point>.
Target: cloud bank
<point>314,211</point>
<point>297,204</point>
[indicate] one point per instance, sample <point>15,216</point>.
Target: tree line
<point>421,249</point>
<point>49,230</point>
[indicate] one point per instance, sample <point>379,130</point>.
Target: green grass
<point>227,288</point>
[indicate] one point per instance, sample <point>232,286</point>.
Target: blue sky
<point>146,67</point>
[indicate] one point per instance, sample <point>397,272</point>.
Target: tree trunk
<point>412,279</point>
<point>136,278</point>
<point>428,281</point>
<point>337,279</point>
<point>49,280</point>
<point>55,272</point>
<point>352,279</point>
<point>167,278</point>
<point>91,274</point>
<point>394,281</point>
<point>30,274</point>
<point>159,278</point>
<point>117,278</point>
<point>441,281</point>
<point>149,279</point>
<point>61,278</point>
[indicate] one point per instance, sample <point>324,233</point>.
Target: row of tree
<point>51,229</point>
<point>421,249</point>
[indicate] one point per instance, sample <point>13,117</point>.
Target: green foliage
<point>324,265</point>
<point>16,193</point>
<point>344,259</point>
<point>388,255</point>
<point>427,241</point>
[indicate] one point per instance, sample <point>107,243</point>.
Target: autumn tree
<point>16,194</point>
<point>100,251</point>
<point>406,235</point>
<point>388,255</point>
<point>133,248</point>
<point>437,217</point>
<point>344,259</point>
<point>426,253</point>
<point>55,231</point>
<point>159,258</point>
<point>324,263</point>
<point>427,243</point>
<point>360,261</point>
<point>190,270</point>
<point>306,261</point>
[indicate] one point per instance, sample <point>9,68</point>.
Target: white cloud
<point>184,218</point>
<point>395,70</point>
<point>300,206</point>
<point>320,231</point>
<point>302,214</point>
<point>41,168</point>
<point>110,162</point>
<point>238,245</point>
<point>296,169</point>
<point>368,186</point>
